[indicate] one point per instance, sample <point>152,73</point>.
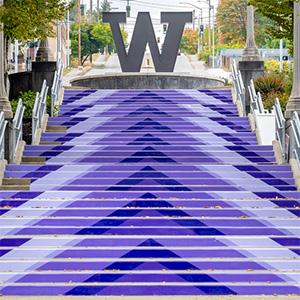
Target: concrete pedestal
<point>24,81</point>
<point>42,71</point>
<point>250,70</point>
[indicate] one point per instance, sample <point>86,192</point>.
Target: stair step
<point>50,143</point>
<point>149,193</point>
<point>56,128</point>
<point>17,187</point>
<point>33,160</point>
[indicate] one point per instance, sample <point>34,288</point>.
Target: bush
<point>272,86</point>
<point>28,98</point>
<point>204,55</point>
<point>273,66</point>
<point>270,83</point>
<point>269,100</point>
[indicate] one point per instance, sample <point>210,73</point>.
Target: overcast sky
<point>157,6</point>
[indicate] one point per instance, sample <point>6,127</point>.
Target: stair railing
<point>56,87</point>
<point>256,104</point>
<point>280,129</point>
<point>17,129</point>
<point>39,110</point>
<point>239,87</point>
<point>295,137</point>
<point>3,125</point>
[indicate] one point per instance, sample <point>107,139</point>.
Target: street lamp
<point>200,18</point>
<point>208,2</point>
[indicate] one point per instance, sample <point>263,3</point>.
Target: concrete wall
<point>24,81</point>
<point>147,81</point>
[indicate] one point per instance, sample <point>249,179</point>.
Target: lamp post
<point>250,53</point>
<point>213,37</point>
<point>4,102</point>
<point>209,25</point>
<point>200,18</point>
<point>294,101</point>
<point>79,32</point>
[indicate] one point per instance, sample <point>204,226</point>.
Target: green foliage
<point>231,21</point>
<point>189,41</point>
<point>94,38</point>
<point>274,85</point>
<point>89,44</point>
<point>271,82</point>
<point>269,100</point>
<point>273,66</point>
<point>28,98</point>
<point>102,34</point>
<point>281,14</point>
<point>29,19</point>
<point>204,56</point>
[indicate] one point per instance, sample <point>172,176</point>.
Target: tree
<point>31,19</point>
<point>102,33</point>
<point>232,21</point>
<point>105,6</point>
<point>281,13</point>
<point>189,41</point>
<point>94,38</point>
<point>89,44</point>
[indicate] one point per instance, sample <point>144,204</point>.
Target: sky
<point>157,6</point>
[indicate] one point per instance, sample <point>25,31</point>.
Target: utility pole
<point>98,11</point>
<point>209,25</point>
<point>68,39</point>
<point>91,11</point>
<point>79,31</point>
<point>213,38</point>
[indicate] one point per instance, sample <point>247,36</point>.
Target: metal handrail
<point>255,99</point>
<point>3,125</point>
<point>17,129</point>
<point>56,86</point>
<point>295,138</point>
<point>39,110</point>
<point>239,86</point>
<point>280,128</point>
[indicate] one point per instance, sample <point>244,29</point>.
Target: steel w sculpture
<point>144,34</point>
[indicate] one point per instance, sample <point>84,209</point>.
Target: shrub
<point>204,55</point>
<point>270,83</point>
<point>28,98</point>
<point>273,66</point>
<point>269,100</point>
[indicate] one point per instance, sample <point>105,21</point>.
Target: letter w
<point>143,34</point>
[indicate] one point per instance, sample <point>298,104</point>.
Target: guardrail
<point>295,137</point>
<point>263,121</point>
<point>56,87</point>
<point>39,110</point>
<point>280,133</point>
<point>256,103</point>
<point>239,87</point>
<point>3,124</point>
<point>17,130</point>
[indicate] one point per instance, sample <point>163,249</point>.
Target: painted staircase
<point>147,192</point>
